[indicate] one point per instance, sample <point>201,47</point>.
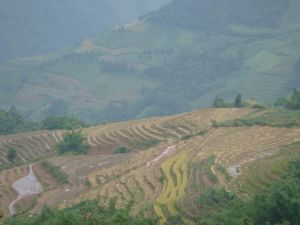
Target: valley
<point>132,70</point>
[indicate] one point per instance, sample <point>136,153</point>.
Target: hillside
<point>173,161</point>
<point>160,65</point>
<point>38,27</point>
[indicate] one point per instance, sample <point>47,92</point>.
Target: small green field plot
<point>273,117</point>
<point>264,61</point>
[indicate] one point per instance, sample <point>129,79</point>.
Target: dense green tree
<point>11,155</point>
<point>85,213</point>
<point>238,101</point>
<point>73,142</point>
<point>218,102</point>
<point>12,122</point>
<point>294,101</point>
<point>61,122</point>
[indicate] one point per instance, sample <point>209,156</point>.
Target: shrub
<point>73,142</point>
<point>121,150</point>
<point>11,155</point>
<point>60,176</point>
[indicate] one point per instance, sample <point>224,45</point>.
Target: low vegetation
<point>219,102</point>
<point>62,122</point>
<point>11,122</point>
<point>59,175</point>
<point>293,102</point>
<point>88,213</point>
<point>121,150</point>
<point>279,204</point>
<point>274,118</point>
<point>73,142</point>
<point>11,155</point>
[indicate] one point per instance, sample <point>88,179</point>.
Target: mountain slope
<point>160,65</point>
<point>36,27</point>
<point>167,177</point>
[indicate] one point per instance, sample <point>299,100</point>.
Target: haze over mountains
<point>172,60</point>
<point>83,136</point>
<point>34,27</point>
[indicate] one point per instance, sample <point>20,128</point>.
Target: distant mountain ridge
<point>217,15</point>
<point>172,60</point>
<point>35,27</point>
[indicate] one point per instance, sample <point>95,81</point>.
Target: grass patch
<point>59,175</point>
<point>189,136</point>
<point>274,118</point>
<point>223,170</point>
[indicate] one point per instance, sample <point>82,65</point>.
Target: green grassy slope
<point>160,65</point>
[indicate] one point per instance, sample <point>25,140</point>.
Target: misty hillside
<point>172,60</point>
<point>218,15</point>
<point>33,27</point>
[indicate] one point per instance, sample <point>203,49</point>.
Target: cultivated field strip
<point>29,146</point>
<point>134,133</point>
<point>175,171</point>
<point>242,145</point>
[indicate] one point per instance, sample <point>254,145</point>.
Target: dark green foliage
<point>73,142</point>
<point>85,213</point>
<point>279,204</point>
<point>11,155</point>
<point>291,103</point>
<point>238,101</point>
<point>59,175</point>
<point>121,150</point>
<point>218,102</point>
<point>174,220</point>
<point>62,122</point>
<point>11,122</point>
<point>214,196</point>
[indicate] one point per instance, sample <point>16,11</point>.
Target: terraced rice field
<point>29,146</point>
<point>138,134</point>
<point>160,179</point>
<point>257,175</point>
<point>175,172</point>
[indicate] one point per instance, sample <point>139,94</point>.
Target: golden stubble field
<point>157,174</point>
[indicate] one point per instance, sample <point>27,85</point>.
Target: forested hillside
<point>172,60</point>
<point>34,27</point>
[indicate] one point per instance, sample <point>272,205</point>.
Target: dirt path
<point>25,187</point>
<point>166,152</point>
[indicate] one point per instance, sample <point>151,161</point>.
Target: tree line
<point>11,122</point>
